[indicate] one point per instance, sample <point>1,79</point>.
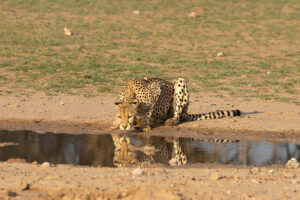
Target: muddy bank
<point>77,114</point>
<point>78,127</point>
<point>27,181</point>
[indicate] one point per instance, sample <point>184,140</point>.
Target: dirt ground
<point>270,120</point>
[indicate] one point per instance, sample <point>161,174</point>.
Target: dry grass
<point>111,44</point>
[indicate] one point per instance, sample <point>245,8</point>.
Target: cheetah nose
<point>123,127</point>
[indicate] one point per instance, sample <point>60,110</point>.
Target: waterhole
<point>106,150</point>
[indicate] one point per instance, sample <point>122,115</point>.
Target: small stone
<point>196,12</point>
<point>24,186</point>
<point>62,103</point>
<point>296,181</point>
<point>13,105</point>
<point>136,12</point>
<point>220,54</point>
<point>271,171</point>
<point>292,164</point>
<point>214,176</point>
<point>137,171</point>
<point>121,195</point>
<point>68,197</point>
<point>228,192</point>
<point>12,194</point>
<point>67,31</point>
<point>45,164</point>
<point>254,170</point>
<point>34,163</point>
<point>254,181</point>
<point>192,15</point>
<point>289,175</point>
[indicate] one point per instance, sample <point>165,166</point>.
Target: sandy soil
<point>30,181</point>
<point>75,114</point>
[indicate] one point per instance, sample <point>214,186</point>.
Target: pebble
<point>136,12</point>
<point>254,181</point>
<point>67,197</point>
<point>292,164</point>
<point>67,31</point>
<point>137,171</point>
<point>11,194</point>
<point>192,15</point>
<point>121,195</point>
<point>34,163</point>
<point>289,175</point>
<point>214,176</point>
<point>254,170</point>
<point>220,54</point>
<point>45,164</point>
<point>24,186</point>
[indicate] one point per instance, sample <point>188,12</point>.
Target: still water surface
<point>99,149</point>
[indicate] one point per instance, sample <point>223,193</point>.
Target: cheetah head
<point>126,113</point>
<point>124,156</point>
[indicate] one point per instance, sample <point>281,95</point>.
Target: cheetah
<point>148,101</point>
<point>131,151</point>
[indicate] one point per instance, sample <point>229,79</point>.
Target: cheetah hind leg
<point>180,102</point>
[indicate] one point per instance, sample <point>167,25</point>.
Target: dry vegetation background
<point>114,41</point>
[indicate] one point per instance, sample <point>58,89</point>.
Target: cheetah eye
<point>130,116</point>
<point>117,103</point>
<point>134,102</point>
<point>119,117</point>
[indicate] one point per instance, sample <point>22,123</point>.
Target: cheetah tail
<point>213,115</point>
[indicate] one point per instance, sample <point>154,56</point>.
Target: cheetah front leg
<point>145,123</point>
<point>178,157</point>
<point>116,124</point>
<point>180,102</point>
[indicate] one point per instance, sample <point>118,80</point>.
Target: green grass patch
<point>111,45</point>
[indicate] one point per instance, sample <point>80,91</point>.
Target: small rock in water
<point>137,171</point>
<point>45,164</point>
<point>292,164</point>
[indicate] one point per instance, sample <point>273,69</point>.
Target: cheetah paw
<point>147,128</point>
<point>114,127</point>
<point>170,122</point>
